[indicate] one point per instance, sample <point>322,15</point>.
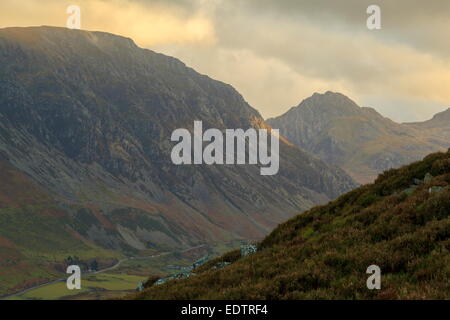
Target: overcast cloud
<point>277,53</point>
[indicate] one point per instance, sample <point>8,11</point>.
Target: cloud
<point>410,21</point>
<point>148,23</point>
<point>277,53</point>
<point>312,54</point>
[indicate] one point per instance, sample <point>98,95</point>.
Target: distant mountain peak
<point>442,115</point>
<point>330,93</point>
<point>360,140</point>
<point>330,101</point>
<point>440,121</point>
<point>324,105</point>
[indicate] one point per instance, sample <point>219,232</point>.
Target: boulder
<point>435,189</point>
<point>428,178</point>
<point>409,191</point>
<point>140,286</point>
<point>247,249</point>
<point>221,265</point>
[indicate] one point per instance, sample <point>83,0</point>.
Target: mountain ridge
<point>360,140</point>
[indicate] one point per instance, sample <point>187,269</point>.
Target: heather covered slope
<point>360,140</point>
<point>324,253</point>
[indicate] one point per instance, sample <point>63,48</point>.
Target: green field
<point>96,283</point>
<point>125,278</point>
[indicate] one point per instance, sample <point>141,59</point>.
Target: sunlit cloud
<point>147,23</point>
<point>277,53</point>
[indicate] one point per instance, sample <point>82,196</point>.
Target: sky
<point>278,52</point>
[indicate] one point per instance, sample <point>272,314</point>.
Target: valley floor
<point>122,278</point>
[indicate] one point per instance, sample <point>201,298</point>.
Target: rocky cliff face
<point>359,140</point>
<point>88,117</point>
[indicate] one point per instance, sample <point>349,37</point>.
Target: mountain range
<point>360,140</point>
<point>85,126</point>
<point>85,155</point>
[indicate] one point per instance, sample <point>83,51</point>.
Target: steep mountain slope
<point>37,234</point>
<point>359,140</point>
<point>88,116</point>
<point>324,253</point>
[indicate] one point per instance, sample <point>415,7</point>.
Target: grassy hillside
<point>36,235</point>
<point>324,253</point>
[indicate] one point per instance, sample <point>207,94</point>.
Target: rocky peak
<point>360,140</point>
<point>330,103</point>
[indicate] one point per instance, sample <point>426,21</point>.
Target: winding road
<point>99,271</point>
